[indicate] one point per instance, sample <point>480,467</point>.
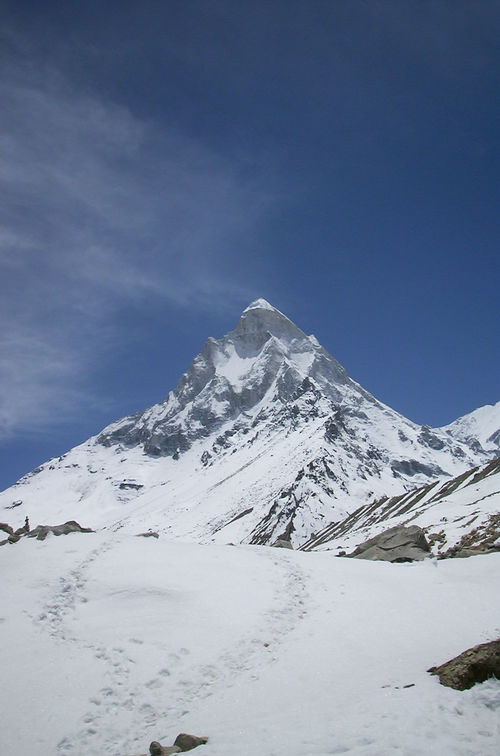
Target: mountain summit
<point>266,358</point>
<point>265,436</point>
<point>262,318</point>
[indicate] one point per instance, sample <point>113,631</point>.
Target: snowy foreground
<point>111,641</point>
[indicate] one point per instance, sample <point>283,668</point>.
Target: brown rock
<point>473,666</point>
<point>41,531</point>
<point>156,749</point>
<point>186,742</point>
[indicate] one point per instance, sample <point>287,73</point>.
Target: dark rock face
<point>495,438</point>
<point>149,534</point>
<point>413,467</point>
<point>398,544</point>
<point>473,666</point>
<point>427,438</point>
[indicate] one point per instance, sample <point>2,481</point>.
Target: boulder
<point>183,742</point>
<point>149,534</point>
<point>282,544</point>
<point>473,666</point>
<point>155,749</point>
<point>186,742</point>
<point>398,544</point>
<point>6,528</point>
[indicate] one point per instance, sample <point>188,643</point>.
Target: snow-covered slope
<point>110,642</point>
<point>463,512</point>
<point>479,427</point>
<point>265,436</point>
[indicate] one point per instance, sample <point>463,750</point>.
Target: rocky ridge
<point>459,516</point>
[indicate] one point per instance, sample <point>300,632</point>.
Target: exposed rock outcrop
<point>41,531</point>
<point>483,539</point>
<point>473,666</point>
<point>398,544</point>
<point>282,544</point>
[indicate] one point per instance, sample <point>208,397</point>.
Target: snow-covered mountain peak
<point>482,425</point>
<point>265,435</point>
<point>260,320</point>
<point>260,304</point>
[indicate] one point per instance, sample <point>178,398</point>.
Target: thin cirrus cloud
<point>100,209</point>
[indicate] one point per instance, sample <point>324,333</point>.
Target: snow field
<point>111,641</point>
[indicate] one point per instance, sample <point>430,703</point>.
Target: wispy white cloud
<point>100,209</point>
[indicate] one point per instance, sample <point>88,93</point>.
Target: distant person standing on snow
<point>27,524</point>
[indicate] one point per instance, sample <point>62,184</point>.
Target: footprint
<point>148,713</point>
<point>209,672</point>
<point>154,684</point>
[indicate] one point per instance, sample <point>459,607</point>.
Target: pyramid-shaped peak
<point>262,318</point>
<point>260,304</point>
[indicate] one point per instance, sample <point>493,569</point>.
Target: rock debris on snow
<point>473,666</point>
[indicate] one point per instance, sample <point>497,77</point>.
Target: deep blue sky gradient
<point>339,159</point>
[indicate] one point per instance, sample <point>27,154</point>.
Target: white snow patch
<point>109,642</point>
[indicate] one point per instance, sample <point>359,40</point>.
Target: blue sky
<point>164,163</point>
